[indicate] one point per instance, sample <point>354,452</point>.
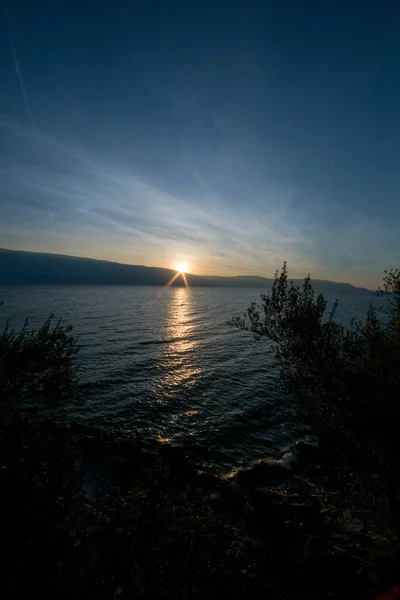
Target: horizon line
<point>271,278</point>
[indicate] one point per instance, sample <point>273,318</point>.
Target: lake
<point>162,362</point>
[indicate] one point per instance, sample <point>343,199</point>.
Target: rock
<point>231,499</point>
<point>307,451</point>
<point>177,461</point>
<point>264,473</point>
<point>207,480</point>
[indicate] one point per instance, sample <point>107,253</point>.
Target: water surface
<point>163,362</point>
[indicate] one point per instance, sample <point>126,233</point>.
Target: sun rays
<point>181,270</point>
<point>177,274</point>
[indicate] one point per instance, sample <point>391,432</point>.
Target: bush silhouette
<point>344,381</point>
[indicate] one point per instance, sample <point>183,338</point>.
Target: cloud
<point>17,68</point>
<point>79,201</point>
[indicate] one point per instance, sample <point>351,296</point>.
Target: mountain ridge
<point>24,267</point>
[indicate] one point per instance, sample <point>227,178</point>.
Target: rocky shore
<point>98,514</point>
<point>308,546</point>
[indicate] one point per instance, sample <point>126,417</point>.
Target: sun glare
<point>182,267</point>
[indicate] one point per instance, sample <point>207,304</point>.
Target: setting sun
<point>182,267</point>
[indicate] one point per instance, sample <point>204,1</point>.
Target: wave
<point>166,341</point>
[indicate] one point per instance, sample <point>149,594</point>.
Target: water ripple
<point>163,362</point>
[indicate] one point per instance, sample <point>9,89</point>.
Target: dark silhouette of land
<point>20,267</point>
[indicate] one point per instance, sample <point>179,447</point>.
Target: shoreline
<point>111,515</point>
<point>271,504</point>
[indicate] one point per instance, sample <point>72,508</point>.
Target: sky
<point>228,135</point>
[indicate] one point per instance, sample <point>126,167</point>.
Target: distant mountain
<point>19,267</point>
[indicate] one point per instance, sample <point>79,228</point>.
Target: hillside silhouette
<point>22,268</point>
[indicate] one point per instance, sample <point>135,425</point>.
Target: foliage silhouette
<point>345,381</point>
<point>38,367</point>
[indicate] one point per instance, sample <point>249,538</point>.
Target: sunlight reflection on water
<point>164,363</point>
<point>180,355</point>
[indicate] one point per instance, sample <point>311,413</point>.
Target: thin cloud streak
<point>97,208</point>
<point>28,110</point>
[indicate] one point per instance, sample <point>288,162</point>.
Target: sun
<point>182,267</point>
<point>180,275</point>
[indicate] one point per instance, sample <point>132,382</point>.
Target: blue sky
<point>228,135</point>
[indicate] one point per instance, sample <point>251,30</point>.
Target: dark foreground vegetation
<point>90,514</point>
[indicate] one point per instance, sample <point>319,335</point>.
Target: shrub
<point>37,476</point>
<point>345,381</point>
<point>37,367</point>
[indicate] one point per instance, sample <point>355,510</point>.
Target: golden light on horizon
<point>182,267</point>
<point>181,270</point>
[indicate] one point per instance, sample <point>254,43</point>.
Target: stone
<point>265,473</point>
<point>307,451</point>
